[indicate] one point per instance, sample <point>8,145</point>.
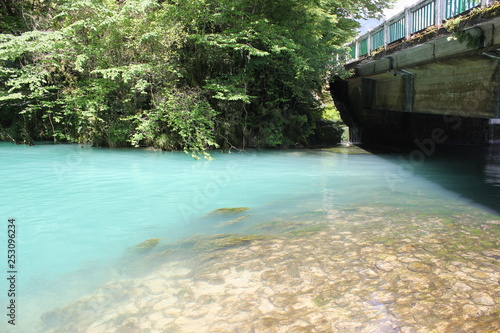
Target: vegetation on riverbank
<point>169,74</point>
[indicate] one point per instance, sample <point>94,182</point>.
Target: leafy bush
<point>189,75</point>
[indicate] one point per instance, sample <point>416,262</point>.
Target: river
<point>327,240</point>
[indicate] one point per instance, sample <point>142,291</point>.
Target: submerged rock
<point>480,275</point>
<point>419,267</point>
<point>384,266</point>
<point>228,211</point>
<point>230,240</point>
<point>343,273</point>
<point>147,245</point>
<point>495,254</point>
<point>234,221</point>
<point>481,298</point>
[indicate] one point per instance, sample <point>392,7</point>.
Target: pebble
<point>384,297</point>
<point>481,298</point>
<point>434,241</point>
<point>370,273</point>
<point>480,275</point>
<point>312,283</point>
<point>419,267</point>
<point>471,311</point>
<point>384,266</point>
<point>461,286</point>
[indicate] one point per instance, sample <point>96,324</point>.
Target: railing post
<point>440,7</point>
<point>408,22</point>
<point>485,3</point>
<point>386,34</point>
<point>369,42</point>
<point>356,49</point>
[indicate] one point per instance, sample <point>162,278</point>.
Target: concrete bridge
<point>430,75</point>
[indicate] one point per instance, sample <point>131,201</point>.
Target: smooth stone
<point>384,297</point>
<point>434,241</point>
<point>481,298</point>
<point>461,286</point>
<point>443,310</point>
<point>492,254</point>
<point>433,248</point>
<point>419,267</point>
<point>172,312</point>
<point>155,286</point>
<point>408,260</point>
<point>406,248</point>
<point>471,311</point>
<point>451,268</point>
<point>480,275</point>
<point>196,313</point>
<point>348,326</point>
<point>384,266</point>
<point>390,258</point>
<point>370,273</point>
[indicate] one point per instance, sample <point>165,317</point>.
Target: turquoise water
<point>79,209</point>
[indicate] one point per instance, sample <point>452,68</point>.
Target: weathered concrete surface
<point>405,95</point>
<point>494,126</point>
<point>391,127</point>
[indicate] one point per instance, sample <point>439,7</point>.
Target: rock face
<point>343,271</point>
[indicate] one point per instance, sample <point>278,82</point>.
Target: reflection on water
<point>132,241</point>
<point>492,167</point>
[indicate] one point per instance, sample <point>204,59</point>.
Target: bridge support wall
<point>447,84</point>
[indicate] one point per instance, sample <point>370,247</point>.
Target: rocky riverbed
<point>376,268</point>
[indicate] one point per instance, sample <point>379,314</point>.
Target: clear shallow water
<point>79,210</point>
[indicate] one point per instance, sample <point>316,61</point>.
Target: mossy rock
<point>234,221</point>
<point>308,230</point>
<point>313,214</point>
<point>190,242</point>
<point>147,245</point>
<point>236,240</point>
<point>202,243</point>
<point>218,241</point>
<point>228,211</point>
<point>278,227</point>
<point>159,256</point>
<point>321,300</point>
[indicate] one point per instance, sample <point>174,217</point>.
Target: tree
<point>173,74</point>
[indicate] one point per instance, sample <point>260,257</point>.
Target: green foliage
<point>453,23</point>
<point>17,16</point>
<point>181,120</point>
<point>330,112</point>
<point>189,75</point>
<point>472,41</point>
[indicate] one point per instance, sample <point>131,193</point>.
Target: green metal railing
<point>352,52</point>
<point>377,40</point>
<point>418,17</point>
<point>363,47</point>
<point>397,30</point>
<point>455,7</point>
<point>424,17</point>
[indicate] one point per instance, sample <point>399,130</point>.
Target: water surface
<point>332,240</point>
